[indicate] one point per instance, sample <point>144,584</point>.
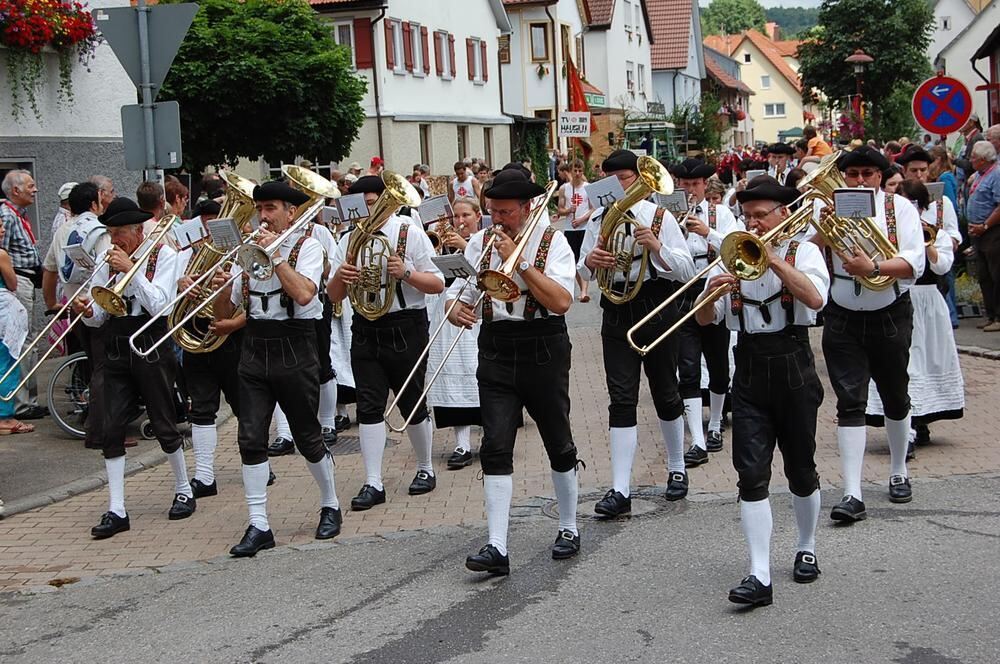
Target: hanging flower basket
<point>28,29</point>
<point>741,115</point>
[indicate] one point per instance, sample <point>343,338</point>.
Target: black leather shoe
<point>254,540</point>
<point>423,482</point>
<point>280,447</point>
<point>329,436</point>
<point>677,486</point>
<point>202,490</point>
<point>695,456</point>
<point>806,570</point>
<point>614,504</point>
<point>341,423</point>
<point>566,545</point>
<point>459,459</point>
<point>923,435</point>
<point>367,498</point>
<point>899,489</point>
<point>329,523</point>
<point>488,560</point>
<point>33,413</point>
<point>111,524</point>
<point>182,508</point>
<point>713,442</point>
<point>848,510</point>
<point>271,477</point>
<point>752,592</point>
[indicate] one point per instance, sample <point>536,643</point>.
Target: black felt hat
<point>368,184</point>
<point>123,212</point>
<point>781,148</point>
<point>766,188</point>
<point>621,160</point>
<point>863,155</point>
<point>692,169</point>
<point>207,206</point>
<point>515,166</point>
<point>512,185</point>
<point>279,191</point>
<point>915,153</point>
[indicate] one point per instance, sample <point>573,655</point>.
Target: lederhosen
<point>127,377</point>
<point>384,352</point>
<point>524,365</point>
<point>208,376</point>
<point>694,339</point>
<point>776,394</point>
<point>279,365</point>
<point>323,329</point>
<point>622,365</point>
<point>863,345</point>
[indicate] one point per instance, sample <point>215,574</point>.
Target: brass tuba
<point>370,252</point>
<point>618,240</point>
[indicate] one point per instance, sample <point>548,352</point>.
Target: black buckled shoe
<point>899,489</point>
<point>923,434</point>
<point>695,456</point>
<point>202,490</point>
<point>182,508</point>
<point>566,545</point>
<point>459,459</point>
<point>254,540</point>
<point>713,441</point>
<point>752,592</point>
<point>423,482</point>
<point>111,524</point>
<point>806,570</point>
<point>677,486</point>
<point>341,423</point>
<point>329,523</point>
<point>488,560</point>
<point>367,498</point>
<point>613,504</point>
<point>271,477</point>
<point>848,510</point>
<point>280,447</point>
<point>329,436</point>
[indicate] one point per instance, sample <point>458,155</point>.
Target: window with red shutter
<point>438,55</point>
<point>470,55</point>
<point>482,59</point>
<point>451,55</point>
<point>390,60</point>
<point>407,46</point>
<point>363,55</point>
<point>425,50</point>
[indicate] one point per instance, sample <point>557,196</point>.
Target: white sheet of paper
<point>936,190</point>
<point>434,209</point>
<point>604,193</point>
<point>454,265</point>
<point>352,207</point>
<point>188,233</point>
<point>79,256</point>
<point>677,202</point>
<point>329,215</point>
<point>755,173</point>
<point>485,222</point>
<point>854,202</point>
<point>225,234</point>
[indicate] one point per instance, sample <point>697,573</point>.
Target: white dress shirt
<point>673,261</point>
<point>725,223</point>
<point>142,295</point>
<point>780,177</point>
<point>559,266</point>
<point>309,264</point>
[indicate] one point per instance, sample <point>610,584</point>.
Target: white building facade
<point>677,56</point>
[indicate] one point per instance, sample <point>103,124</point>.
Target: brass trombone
<point>498,284</point>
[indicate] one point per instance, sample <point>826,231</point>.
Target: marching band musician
<point>524,361</point>
<point>866,334</point>
<point>776,391</point>
<point>127,377</point>
<point>384,351</point>
<point>778,156</point>
<point>940,213</point>
<point>656,231</point>
<point>279,362</point>
<point>707,225</point>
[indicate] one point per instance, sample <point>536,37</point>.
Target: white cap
<point>65,189</point>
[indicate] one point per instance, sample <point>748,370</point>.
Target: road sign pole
<point>146,89</point>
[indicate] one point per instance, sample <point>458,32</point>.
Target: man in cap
<point>656,231</point>
<point>63,213</point>
<point>776,391</point>
<point>376,167</point>
<point>524,361</point>
<point>706,224</point>
<point>126,378</point>
<point>778,156</point>
<point>384,351</point>
<point>866,333</point>
<point>279,362</point>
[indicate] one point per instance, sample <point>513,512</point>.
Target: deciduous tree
<point>730,17</point>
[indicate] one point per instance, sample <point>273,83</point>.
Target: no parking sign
<point>942,105</point>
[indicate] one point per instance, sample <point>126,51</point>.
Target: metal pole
<point>146,90</point>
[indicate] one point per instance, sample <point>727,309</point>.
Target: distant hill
<point>793,20</point>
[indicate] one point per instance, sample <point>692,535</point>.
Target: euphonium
<point>653,177</point>
<point>930,233</point>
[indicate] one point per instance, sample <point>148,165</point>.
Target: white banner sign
<point>574,124</point>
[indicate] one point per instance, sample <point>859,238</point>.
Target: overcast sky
<point>779,3</point>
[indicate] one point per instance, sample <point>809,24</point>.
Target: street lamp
<point>858,60</point>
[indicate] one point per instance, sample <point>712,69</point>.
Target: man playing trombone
<point>656,231</point>
<point>143,281</point>
<point>524,355</point>
<point>776,392</point>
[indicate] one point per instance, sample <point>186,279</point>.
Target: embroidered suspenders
<point>293,259</point>
<point>940,214</point>
<point>154,255</point>
<point>787,301</point>
<point>712,223</point>
<point>401,252</point>
<point>531,305</point>
<point>484,264</point>
<point>890,225</point>
<point>657,220</point>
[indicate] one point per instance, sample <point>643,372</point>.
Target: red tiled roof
<point>716,71</point>
<point>598,12</point>
<point>788,47</point>
<point>771,52</point>
<point>725,44</point>
<point>671,25</point>
<point>513,3</point>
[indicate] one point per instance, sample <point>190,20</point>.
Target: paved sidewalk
<point>52,543</point>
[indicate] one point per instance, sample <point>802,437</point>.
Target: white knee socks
<point>327,403</point>
<point>898,433</point>
<point>624,440</point>
<point>421,437</point>
<point>715,402</point>
<point>567,493</point>
<point>255,490</point>
<point>673,440</point>
<point>372,447</point>
<point>116,484</point>
<point>462,436</point>
<point>806,517</point>
<point>203,441</point>
<point>851,441</point>
<point>322,472</point>
<point>692,411</point>
<point>341,410</point>
<point>755,517</point>
<point>498,490</point>
<point>281,424</point>
<point>181,484</point>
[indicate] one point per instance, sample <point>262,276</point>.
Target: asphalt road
<point>915,584</point>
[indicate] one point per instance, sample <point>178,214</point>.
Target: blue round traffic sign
<point>942,105</point>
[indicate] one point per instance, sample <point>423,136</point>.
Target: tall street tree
<point>896,33</point>
<point>730,17</point>
<point>263,78</point>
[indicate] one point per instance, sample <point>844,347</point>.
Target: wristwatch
<point>277,260</point>
<point>523,266</point>
<point>875,272</point>
<point>406,276</point>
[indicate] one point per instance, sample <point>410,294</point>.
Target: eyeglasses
<point>506,213</point>
<point>863,173</point>
<point>760,216</point>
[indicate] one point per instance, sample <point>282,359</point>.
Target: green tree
<point>730,17</point>
<point>793,21</point>
<point>895,33</point>
<point>263,78</point>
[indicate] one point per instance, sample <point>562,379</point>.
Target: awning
<point>785,135</point>
<point>991,44</point>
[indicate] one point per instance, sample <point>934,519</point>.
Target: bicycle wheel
<point>69,394</point>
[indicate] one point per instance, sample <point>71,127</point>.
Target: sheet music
<point>188,233</point>
<point>604,193</point>
<point>79,256</point>
<point>676,202</point>
<point>225,234</point>
<point>352,207</point>
<point>456,266</point>
<point>936,190</point>
<point>435,208</point>
<point>854,202</point>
